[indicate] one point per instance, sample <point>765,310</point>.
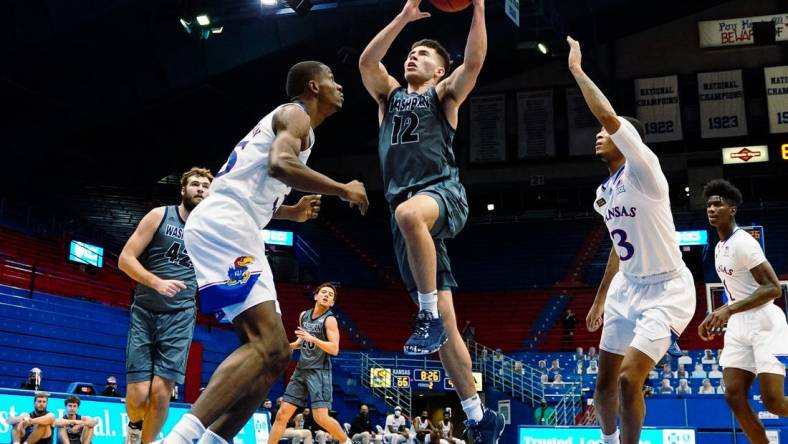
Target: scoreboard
<point>417,379</point>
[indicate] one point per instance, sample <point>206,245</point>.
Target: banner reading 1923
<point>722,112</point>
<point>658,108</point>
<point>777,98</point>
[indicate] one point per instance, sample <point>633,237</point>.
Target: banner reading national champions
<point>111,416</point>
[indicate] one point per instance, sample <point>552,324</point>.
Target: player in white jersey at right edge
<point>757,335</point>
<point>647,294</point>
<point>225,243</point>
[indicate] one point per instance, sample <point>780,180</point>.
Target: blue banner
<point>592,435</point>
<point>111,416</point>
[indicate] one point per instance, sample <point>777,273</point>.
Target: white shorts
<point>755,340</point>
<point>227,250</point>
<point>645,315</point>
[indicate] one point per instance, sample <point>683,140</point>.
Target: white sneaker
<point>133,436</point>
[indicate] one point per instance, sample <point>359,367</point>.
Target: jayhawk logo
<point>238,274</point>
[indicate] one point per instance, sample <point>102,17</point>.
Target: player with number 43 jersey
<point>647,295</point>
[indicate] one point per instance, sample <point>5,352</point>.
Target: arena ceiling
<point>115,91</point>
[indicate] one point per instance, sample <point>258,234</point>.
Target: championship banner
<point>488,128</point>
<point>722,111</point>
<point>777,98</point>
<point>583,126</point>
<point>535,124</point>
<point>738,31</point>
<point>658,108</point>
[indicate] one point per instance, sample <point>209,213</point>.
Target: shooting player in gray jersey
<point>318,339</point>
<point>162,317</point>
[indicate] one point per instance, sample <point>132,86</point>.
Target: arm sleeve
<point>750,255</point>
<point>642,164</point>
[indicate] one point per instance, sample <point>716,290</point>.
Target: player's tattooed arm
<point>292,126</point>
<point>597,310</point>
<point>597,102</point>
<point>768,290</point>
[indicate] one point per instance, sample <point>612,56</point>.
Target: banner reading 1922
<point>722,112</point>
<point>658,107</point>
<point>777,98</point>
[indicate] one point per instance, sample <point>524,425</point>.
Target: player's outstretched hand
<point>594,317</point>
<point>575,55</point>
<point>169,287</point>
<point>411,11</point>
<point>308,208</point>
<point>356,195</point>
<point>304,335</point>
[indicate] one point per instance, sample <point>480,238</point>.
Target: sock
<point>610,439</point>
<point>211,438</point>
<point>188,430</point>
<point>135,425</point>
<point>473,408</point>
<point>429,302</point>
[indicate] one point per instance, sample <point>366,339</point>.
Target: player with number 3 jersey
<point>647,295</point>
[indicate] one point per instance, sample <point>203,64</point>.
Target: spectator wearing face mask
<point>361,428</point>
<point>33,381</point>
<point>423,426</point>
<point>394,423</point>
<point>111,389</point>
<point>544,414</point>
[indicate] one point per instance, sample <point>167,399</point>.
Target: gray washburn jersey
<point>166,257</point>
<point>313,356</point>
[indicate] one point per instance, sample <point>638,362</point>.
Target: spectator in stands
<point>699,373</point>
<point>498,357</point>
<point>544,414</point>
<point>361,428</point>
<point>162,317</point>
<point>721,388</point>
<point>593,368</point>
<point>685,358</point>
<point>422,426</point>
<point>568,323</point>
<point>555,367</point>
<point>559,379</point>
<point>653,374</point>
<point>74,428</point>
<point>36,426</point>
<point>715,372</point>
<point>33,381</point>
<point>468,332</point>
<point>667,372</point>
<point>681,373</point>
<point>579,367</point>
<point>544,379</point>
<point>579,355</point>
<point>268,407</point>
<point>111,388</point>
<point>296,432</point>
<point>591,353</point>
<point>706,388</point>
<point>395,431</point>
<point>666,388</point>
<point>683,388</point>
<point>708,358</point>
<point>542,366</point>
<point>518,368</point>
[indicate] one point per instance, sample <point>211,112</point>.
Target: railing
<point>386,388</point>
<point>524,382</point>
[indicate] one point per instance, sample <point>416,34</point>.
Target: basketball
<point>451,5</point>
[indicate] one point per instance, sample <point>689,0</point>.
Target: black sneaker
<point>486,431</point>
<point>428,335</point>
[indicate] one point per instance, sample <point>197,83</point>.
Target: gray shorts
<point>314,383</point>
<point>453,213</point>
<point>158,344</point>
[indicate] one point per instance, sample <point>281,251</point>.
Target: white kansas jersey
<point>635,205</point>
<point>733,259</point>
<point>244,177</point>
